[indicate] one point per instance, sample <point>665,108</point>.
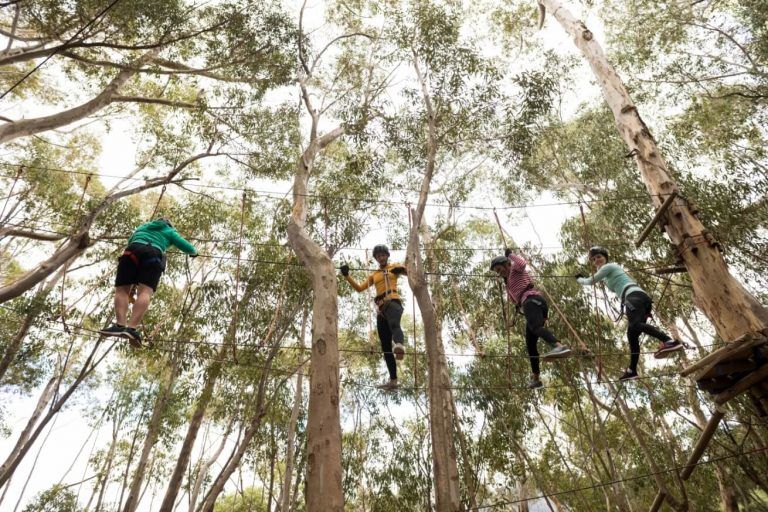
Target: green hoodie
<point>160,235</point>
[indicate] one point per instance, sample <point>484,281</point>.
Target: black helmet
<point>380,249</point>
<point>499,260</point>
<point>598,250</point>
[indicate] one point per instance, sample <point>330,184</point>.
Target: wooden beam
<point>742,385</point>
<point>737,346</point>
<point>677,269</point>
<point>663,208</point>
<point>701,444</point>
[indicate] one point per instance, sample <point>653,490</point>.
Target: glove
<point>580,275</point>
<point>507,252</point>
<point>344,269</point>
<point>399,270</point>
<point>194,255</point>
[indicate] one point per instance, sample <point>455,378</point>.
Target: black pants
<point>388,327</point>
<point>638,307</point>
<point>536,312</point>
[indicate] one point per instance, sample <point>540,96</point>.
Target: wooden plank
<point>677,269</point>
<point>738,346</point>
<point>701,444</point>
<point>663,208</point>
<point>743,385</point>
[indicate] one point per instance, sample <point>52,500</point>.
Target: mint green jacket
<point>616,279</point>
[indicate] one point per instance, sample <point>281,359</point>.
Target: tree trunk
<point>290,450</point>
<point>729,306</point>
<point>323,487</point>
<point>182,461</point>
<point>444,465</point>
<point>11,463</point>
<point>25,127</point>
<point>153,430</point>
<point>71,250</point>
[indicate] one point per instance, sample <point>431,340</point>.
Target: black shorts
<point>140,264</point>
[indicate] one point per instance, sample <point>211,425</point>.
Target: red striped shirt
<point>519,281</point>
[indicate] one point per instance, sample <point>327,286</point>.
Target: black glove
<point>399,270</point>
<point>194,255</point>
<point>580,275</point>
<point>507,252</point>
<point>344,269</point>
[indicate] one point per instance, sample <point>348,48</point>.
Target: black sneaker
<point>629,375</point>
<point>667,347</point>
<point>112,330</point>
<point>134,337</point>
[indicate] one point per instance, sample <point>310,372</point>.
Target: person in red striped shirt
<point>521,291</point>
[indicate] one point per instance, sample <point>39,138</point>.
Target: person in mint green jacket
<point>141,265</point>
<point>635,302</point>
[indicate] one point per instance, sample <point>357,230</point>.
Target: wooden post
<point>701,444</point>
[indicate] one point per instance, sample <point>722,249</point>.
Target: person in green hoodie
<point>141,265</point>
<point>637,304</point>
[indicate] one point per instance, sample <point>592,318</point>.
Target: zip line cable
<point>373,200</point>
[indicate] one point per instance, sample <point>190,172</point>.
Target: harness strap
<point>132,256</point>
<point>381,296</point>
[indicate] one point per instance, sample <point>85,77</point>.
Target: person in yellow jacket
<point>389,305</point>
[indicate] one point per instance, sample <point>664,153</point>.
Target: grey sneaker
<point>399,351</point>
<point>535,384</point>
<point>389,385</point>
<point>134,337</point>
<point>557,353</point>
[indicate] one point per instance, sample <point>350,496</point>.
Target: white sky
<point>118,157</point>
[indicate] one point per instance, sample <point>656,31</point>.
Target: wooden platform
<point>740,366</point>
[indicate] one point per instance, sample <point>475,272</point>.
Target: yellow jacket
<point>385,281</point>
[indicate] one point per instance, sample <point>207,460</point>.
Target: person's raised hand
<point>344,269</point>
<point>507,252</point>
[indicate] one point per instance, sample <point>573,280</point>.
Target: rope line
<point>621,480</point>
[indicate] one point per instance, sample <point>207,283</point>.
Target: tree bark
<point>153,430</point>
<point>444,464</point>
<point>323,484</point>
<point>182,461</point>
<point>290,450</point>
<point>26,127</point>
<point>732,310</point>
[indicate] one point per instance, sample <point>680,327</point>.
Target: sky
<point>71,431</point>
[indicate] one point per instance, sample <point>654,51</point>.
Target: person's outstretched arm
<point>599,276</point>
<point>182,244</point>
<point>357,286</point>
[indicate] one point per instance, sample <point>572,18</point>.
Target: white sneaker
<point>399,351</point>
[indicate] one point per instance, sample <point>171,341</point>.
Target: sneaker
<point>557,353</point>
<point>535,384</point>
<point>134,337</point>
<point>629,375</point>
<point>399,351</point>
<point>389,385</point>
<point>112,330</point>
<point>667,347</point>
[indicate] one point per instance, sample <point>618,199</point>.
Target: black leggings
<point>638,307</point>
<point>536,310</point>
<point>388,327</point>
